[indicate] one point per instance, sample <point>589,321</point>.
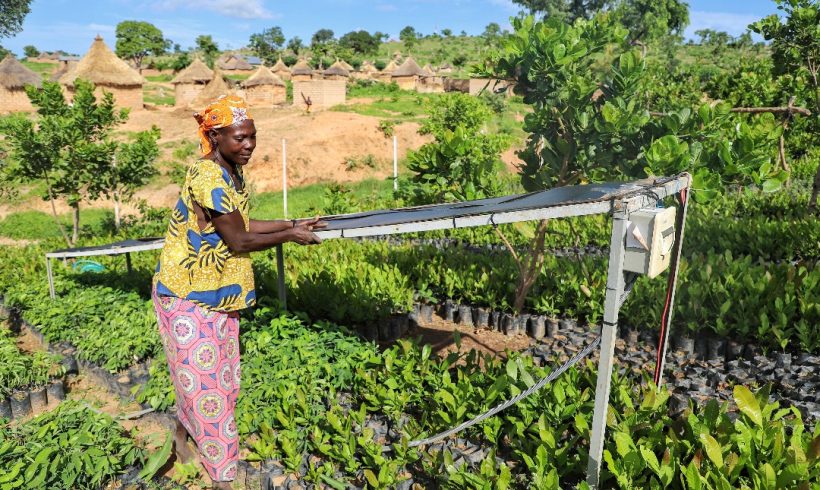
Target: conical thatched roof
<point>391,67</point>
<point>263,76</point>
<point>301,68</point>
<point>216,87</point>
<point>64,68</point>
<point>368,67</point>
<point>196,72</point>
<point>408,69</point>
<point>428,71</point>
<point>337,69</point>
<point>347,66</point>
<point>236,63</point>
<point>280,66</point>
<point>102,67</point>
<point>14,76</point>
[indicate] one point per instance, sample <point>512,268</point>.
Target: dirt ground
<point>440,335</point>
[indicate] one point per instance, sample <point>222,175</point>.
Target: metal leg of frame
<point>50,279</point>
<point>280,269</point>
<point>128,261</point>
<point>609,333</point>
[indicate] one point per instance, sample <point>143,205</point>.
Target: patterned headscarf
<point>225,111</point>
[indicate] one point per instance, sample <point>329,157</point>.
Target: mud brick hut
<point>445,69</point>
<point>264,89</point>
<point>281,70</point>
<point>235,65</point>
<point>337,71</point>
<point>108,73</point>
<point>14,78</point>
<point>321,93</point>
<point>386,75</point>
<point>367,71</point>
<point>430,82</point>
<point>301,71</point>
<point>215,89</point>
<point>408,75</point>
<point>190,82</point>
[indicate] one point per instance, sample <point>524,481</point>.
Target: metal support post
<point>50,279</point>
<point>128,261</point>
<point>280,269</point>
<point>395,164</point>
<point>609,333</point>
<point>284,178</point>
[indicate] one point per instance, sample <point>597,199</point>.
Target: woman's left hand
<point>311,224</point>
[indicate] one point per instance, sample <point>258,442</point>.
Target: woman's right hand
<point>303,236</point>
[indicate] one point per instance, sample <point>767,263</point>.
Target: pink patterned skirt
<point>202,347</point>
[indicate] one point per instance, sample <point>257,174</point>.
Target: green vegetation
<point>41,68</point>
<point>20,370</point>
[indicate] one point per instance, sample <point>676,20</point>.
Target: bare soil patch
<point>440,336</point>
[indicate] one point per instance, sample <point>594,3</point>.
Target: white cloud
<point>734,24</point>
<point>243,9</point>
<point>506,4</point>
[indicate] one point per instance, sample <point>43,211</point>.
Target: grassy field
<point>304,201</point>
<point>36,225</point>
<point>43,69</point>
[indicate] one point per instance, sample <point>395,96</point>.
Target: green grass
<point>158,95</point>
<point>389,103</point>
<point>302,200</point>
<point>36,225</point>
<point>237,77</point>
<point>160,78</point>
<point>43,69</point>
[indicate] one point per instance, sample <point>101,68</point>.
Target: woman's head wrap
<point>221,113</point>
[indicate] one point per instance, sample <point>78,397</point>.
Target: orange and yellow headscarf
<point>225,111</point>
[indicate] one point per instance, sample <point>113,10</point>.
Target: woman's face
<point>237,142</point>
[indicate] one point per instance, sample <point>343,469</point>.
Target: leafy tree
<point>295,45</point>
<point>68,147</point>
<point>131,168</point>
<point>138,39</point>
<point>409,37</point>
<point>360,42</point>
<point>322,36</point>
<point>447,32</point>
<point>208,47</point>
<point>12,14</point>
<point>589,124</point>
<point>463,162</point>
<point>181,61</point>
<point>652,19</point>
<point>711,37</point>
<point>567,10</point>
<point>31,51</point>
<point>268,43</point>
<point>3,52</point>
<point>796,50</point>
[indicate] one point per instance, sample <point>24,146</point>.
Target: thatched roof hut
<point>337,71</point>
<point>264,88</point>
<point>347,66</point>
<point>215,88</point>
<point>445,68</point>
<point>301,70</point>
<point>407,75</point>
<point>428,71</point>
<point>234,63</point>
<point>190,82</point>
<point>281,70</point>
<point>14,78</point>
<point>107,72</point>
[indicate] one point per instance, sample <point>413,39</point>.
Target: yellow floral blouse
<point>196,264</point>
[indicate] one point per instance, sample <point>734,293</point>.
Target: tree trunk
<point>75,237</point>
<point>815,190</point>
<point>54,211</point>
<point>530,266</point>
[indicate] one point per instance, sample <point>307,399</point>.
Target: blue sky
<point>72,24</point>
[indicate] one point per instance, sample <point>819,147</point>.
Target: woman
<point>204,278</point>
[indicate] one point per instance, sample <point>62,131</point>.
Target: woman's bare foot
<point>183,452</point>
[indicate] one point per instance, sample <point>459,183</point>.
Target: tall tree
<point>268,43</point>
<point>567,10</point>
<point>652,19</point>
<point>208,47</point>
<point>360,42</point>
<point>409,37</point>
<point>137,39</point>
<point>31,51</point>
<point>796,51</point>
<point>322,36</point>
<point>296,45</point>
<point>131,168</point>
<point>12,14</point>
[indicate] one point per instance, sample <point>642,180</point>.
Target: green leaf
<point>157,460</point>
<point>747,403</point>
<point>371,478</point>
<point>712,448</point>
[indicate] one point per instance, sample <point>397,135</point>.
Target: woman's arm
<point>231,227</point>
<point>273,226</point>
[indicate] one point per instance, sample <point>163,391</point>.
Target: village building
<point>108,73</point>
<point>14,78</point>
<point>216,88</point>
<point>430,82</point>
<point>318,94</point>
<point>367,71</point>
<point>264,89</point>
<point>445,69</point>
<point>301,71</point>
<point>408,74</point>
<point>281,70</point>
<point>234,64</point>
<point>386,75</point>
<point>337,71</point>
<point>190,82</point>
